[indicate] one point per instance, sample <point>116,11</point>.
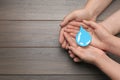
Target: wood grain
<point>45,9</point>
<point>41,61</point>
<point>37,9</point>
<point>55,77</point>
<point>29,48</point>
<point>29,33</point>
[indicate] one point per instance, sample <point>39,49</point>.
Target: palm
<point>100,36</point>
<point>96,40</point>
<point>90,53</point>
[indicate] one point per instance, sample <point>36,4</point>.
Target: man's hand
<point>77,15</point>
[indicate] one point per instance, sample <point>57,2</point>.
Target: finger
<point>71,31</point>
<point>78,24</point>
<point>68,18</point>
<point>72,27</point>
<point>61,36</point>
<point>67,45</point>
<point>75,23</point>
<point>69,52</point>
<point>76,59</point>
<point>64,44</point>
<point>70,40</point>
<point>73,35</point>
<point>91,23</point>
<point>74,40</point>
<point>76,52</point>
<point>72,55</point>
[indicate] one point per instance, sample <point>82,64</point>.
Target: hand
<point>77,15</point>
<point>64,43</point>
<point>72,25</point>
<point>88,54</point>
<point>100,35</point>
<point>98,32</point>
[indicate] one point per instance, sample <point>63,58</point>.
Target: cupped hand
<point>72,25</point>
<point>64,44</point>
<point>99,34</point>
<point>77,15</point>
<point>69,20</point>
<point>88,54</point>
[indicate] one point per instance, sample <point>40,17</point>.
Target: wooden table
<point>29,47</point>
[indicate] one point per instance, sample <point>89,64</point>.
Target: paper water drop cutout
<point>83,37</point>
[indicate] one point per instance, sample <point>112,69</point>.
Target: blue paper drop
<point>83,37</point>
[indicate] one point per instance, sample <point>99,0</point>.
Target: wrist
<point>100,60</point>
<point>98,56</point>
<point>113,45</point>
<point>90,13</point>
<point>109,43</point>
<point>108,27</point>
<point>109,67</point>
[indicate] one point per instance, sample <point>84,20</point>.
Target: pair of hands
<point>70,20</point>
<point>70,27</point>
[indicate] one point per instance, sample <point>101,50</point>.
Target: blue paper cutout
<point>83,37</point>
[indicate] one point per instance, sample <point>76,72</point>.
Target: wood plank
<point>41,61</point>
<point>45,9</point>
<point>37,9</point>
<point>29,33</point>
<point>55,77</point>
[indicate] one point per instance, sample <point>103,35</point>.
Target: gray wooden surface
<point>45,9</point>
<point>29,48</point>
<point>54,77</point>
<point>29,33</point>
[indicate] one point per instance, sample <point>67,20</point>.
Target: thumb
<point>91,24</point>
<point>68,18</point>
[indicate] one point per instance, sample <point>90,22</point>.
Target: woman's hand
<point>88,54</point>
<point>99,34</point>
<point>73,25</point>
<point>77,15</point>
